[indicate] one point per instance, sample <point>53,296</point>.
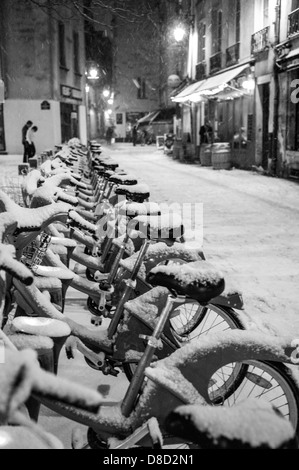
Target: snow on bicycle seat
<point>110,165</point>
<point>126,180</point>
<point>136,193</point>
<point>199,280</point>
<point>41,326</point>
<point>252,424</point>
<point>31,220</point>
<point>135,209</point>
<point>168,226</point>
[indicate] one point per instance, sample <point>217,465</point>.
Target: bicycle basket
<point>34,253</point>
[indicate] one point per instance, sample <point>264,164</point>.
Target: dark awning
<point>160,115</point>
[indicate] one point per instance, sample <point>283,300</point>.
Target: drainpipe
<point>274,164</point>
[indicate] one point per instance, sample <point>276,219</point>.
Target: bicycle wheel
<point>269,381</point>
<point>191,321</point>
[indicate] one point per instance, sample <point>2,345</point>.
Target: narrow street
<point>251,226</point>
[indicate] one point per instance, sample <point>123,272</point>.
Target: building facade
<point>287,52</point>
<point>242,69</point>
<point>144,56</point>
<point>43,68</point>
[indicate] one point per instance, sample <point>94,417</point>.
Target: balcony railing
<point>233,55</point>
<point>294,23</point>
<point>216,62</point>
<point>260,41</point>
<point>201,71</point>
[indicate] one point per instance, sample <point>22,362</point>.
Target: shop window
<point>119,118</point>
<point>61,40</point>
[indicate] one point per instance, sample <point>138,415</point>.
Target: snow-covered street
<point>251,227</point>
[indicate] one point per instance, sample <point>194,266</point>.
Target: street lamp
<point>93,74</point>
<point>179,33</point>
<point>106,93</point>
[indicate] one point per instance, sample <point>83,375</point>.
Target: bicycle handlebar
<point>8,263</point>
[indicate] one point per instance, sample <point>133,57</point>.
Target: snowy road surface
<point>251,228</point>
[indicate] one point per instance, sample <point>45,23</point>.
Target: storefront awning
<point>212,87</point>
<point>159,115</point>
<point>190,90</point>
<point>148,118</point>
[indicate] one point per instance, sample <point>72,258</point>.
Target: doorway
<point>2,134</point>
<point>265,99</point>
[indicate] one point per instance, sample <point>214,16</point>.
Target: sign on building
<point>45,106</point>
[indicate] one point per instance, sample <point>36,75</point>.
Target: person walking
<point>24,141</point>
<point>134,135</point>
<point>30,136</point>
<point>109,135</point>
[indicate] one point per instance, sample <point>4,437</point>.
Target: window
<point>202,42</point>
<point>217,31</point>
<point>76,46</point>
<point>119,118</point>
<point>141,93</point>
<point>238,21</point>
<point>266,13</point>
<point>61,39</point>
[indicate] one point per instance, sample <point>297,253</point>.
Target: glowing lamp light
<point>249,84</point>
<point>93,74</point>
<point>111,101</point>
<point>106,93</point>
<point>87,88</point>
<point>179,33</point>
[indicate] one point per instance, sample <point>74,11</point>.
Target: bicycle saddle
<point>137,193</point>
<point>125,180</point>
<point>41,327</point>
<point>167,226</point>
<point>199,280</point>
<point>110,165</point>
<point>252,424</point>
<point>135,209</point>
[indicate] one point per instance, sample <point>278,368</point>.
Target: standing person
<point>109,135</point>
<point>24,141</point>
<point>30,136</point>
<point>134,135</point>
<point>206,133</point>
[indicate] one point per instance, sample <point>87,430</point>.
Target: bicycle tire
<point>275,377</point>
<point>231,321</point>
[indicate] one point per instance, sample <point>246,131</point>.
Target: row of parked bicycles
<point>197,377</point>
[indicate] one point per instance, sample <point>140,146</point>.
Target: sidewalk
<point>9,166</point>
